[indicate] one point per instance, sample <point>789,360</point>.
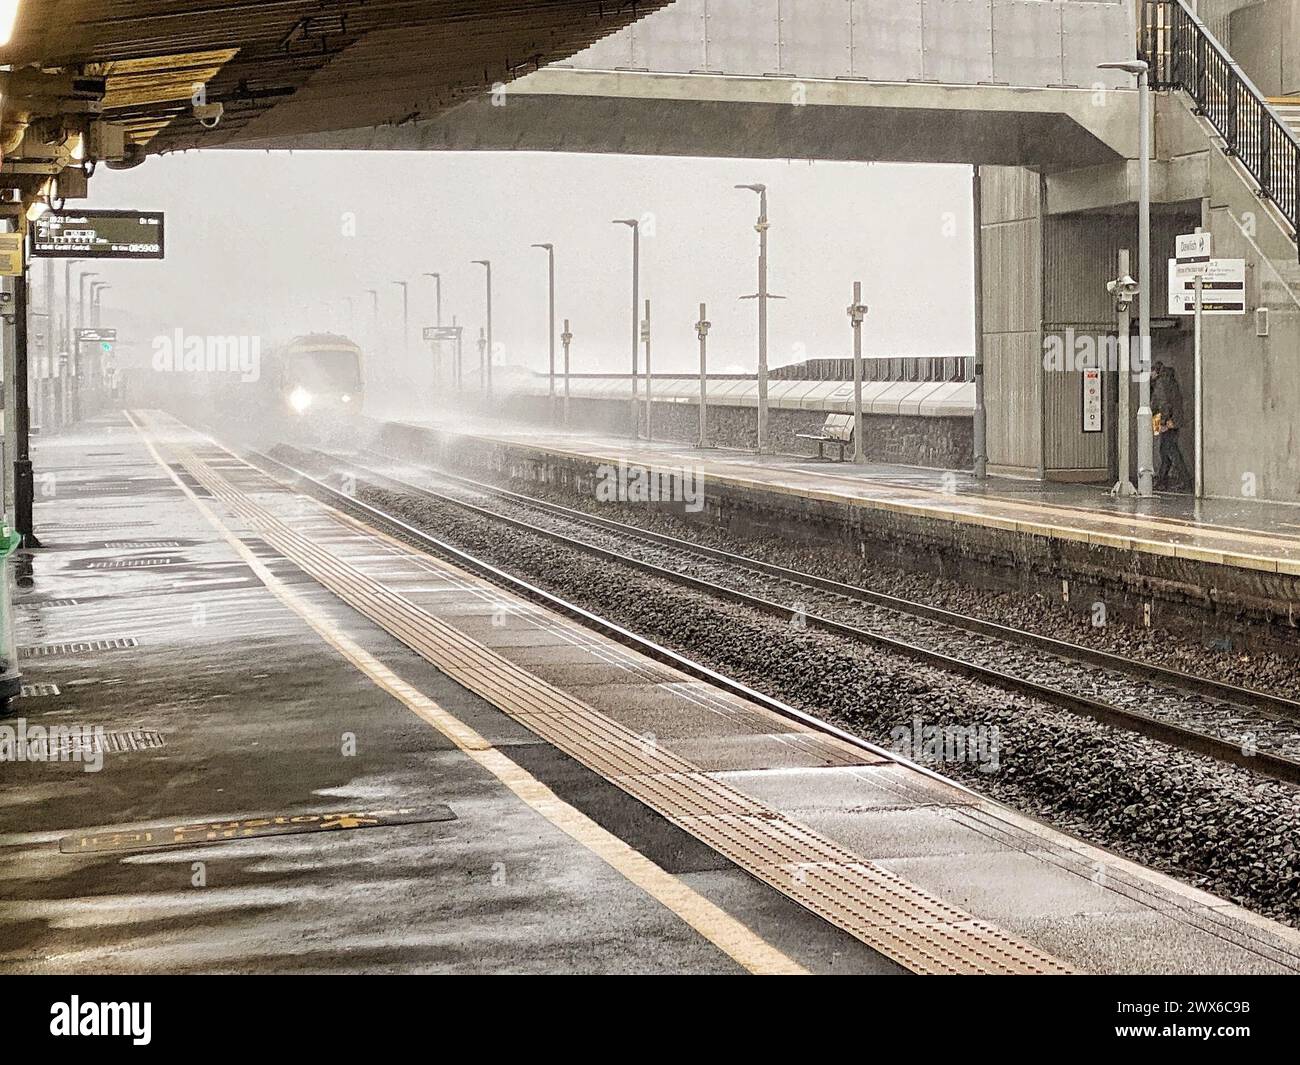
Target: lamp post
<point>406,319</point>
<point>437,305</point>
<point>635,226</point>
<point>1123,288</point>
<point>550,331</point>
<point>857,312</point>
<point>81,296</point>
<point>487,266</point>
<point>68,329</point>
<point>374,317</point>
<point>96,289</point>
<point>702,331</point>
<point>762,296</point>
<point>1145,441</point>
<point>566,338</point>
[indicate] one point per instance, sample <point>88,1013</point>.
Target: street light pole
<point>406,319</point>
<point>1145,439</point>
<point>487,266</point>
<point>702,331</point>
<point>550,333</point>
<point>374,317</point>
<point>762,296</point>
<point>96,288</point>
<point>566,338</point>
<point>437,306</point>
<point>857,312</point>
<point>635,226</point>
<point>81,296</point>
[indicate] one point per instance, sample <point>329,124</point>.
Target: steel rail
<point>1273,765</point>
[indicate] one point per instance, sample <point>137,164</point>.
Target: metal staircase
<point>1184,55</point>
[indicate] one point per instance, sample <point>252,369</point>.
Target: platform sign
<point>91,336</point>
<point>99,235</point>
<point>1191,254</point>
<point>1223,288</point>
<point>442,332</point>
<point>11,254</point>
<point>1092,400</point>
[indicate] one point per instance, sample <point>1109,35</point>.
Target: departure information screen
<point>99,234</point>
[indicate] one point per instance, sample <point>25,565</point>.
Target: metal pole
<point>1197,405</point>
<point>645,335</point>
<point>24,482</point>
<point>1145,442</point>
<point>487,379</point>
<point>550,336</point>
<point>406,320</point>
<point>857,312</point>
<point>635,226</point>
<point>702,331</point>
<point>482,361</point>
<point>460,355</point>
<point>979,424</point>
<point>1124,416</point>
<point>762,296</point>
<point>762,322</point>
<point>567,338</point>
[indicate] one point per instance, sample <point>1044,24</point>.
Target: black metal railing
<point>1184,55</point>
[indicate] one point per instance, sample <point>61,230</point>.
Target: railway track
<point>1256,730</point>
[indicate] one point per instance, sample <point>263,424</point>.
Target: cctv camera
<point>209,115</point>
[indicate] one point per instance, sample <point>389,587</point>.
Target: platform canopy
<point>277,68</point>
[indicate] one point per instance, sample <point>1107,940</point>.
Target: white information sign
<point>1223,289</point>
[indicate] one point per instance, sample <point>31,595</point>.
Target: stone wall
<point>944,443</point>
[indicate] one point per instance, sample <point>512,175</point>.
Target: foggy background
<point>269,243</point>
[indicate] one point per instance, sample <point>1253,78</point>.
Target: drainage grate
<point>286,824</point>
<point>42,650</point>
<point>118,742</point>
<point>90,526</point>
<point>130,563</point>
<point>126,544</point>
<point>33,691</point>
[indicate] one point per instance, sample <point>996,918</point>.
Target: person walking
<point>1172,473</point>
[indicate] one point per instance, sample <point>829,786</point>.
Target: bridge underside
<point>625,112</point>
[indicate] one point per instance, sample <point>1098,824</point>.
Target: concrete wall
<point>1011,250</point>
<point>1265,40</point>
<point>1010,42</point>
<point>1252,383</point>
<point>943,443</point>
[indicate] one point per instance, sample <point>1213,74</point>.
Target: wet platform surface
<point>428,829</point>
<point>1243,533</point>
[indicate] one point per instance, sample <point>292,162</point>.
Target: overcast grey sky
<point>270,243</point>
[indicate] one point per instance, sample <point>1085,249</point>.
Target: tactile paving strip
<point>901,921</point>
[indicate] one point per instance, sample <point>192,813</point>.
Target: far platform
<point>1240,533</point>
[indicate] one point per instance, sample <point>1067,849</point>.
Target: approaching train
<point>317,379</point>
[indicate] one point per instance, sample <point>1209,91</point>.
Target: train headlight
<point>346,398</point>
<point>300,399</point>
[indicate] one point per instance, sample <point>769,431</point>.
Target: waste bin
<point>10,677</point>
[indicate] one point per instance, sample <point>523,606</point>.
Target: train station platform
<point>1167,549</point>
<point>1230,532</point>
<point>291,742</point>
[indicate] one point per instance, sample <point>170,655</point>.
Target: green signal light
<point>105,345</point>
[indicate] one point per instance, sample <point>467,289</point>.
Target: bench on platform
<point>837,429</point>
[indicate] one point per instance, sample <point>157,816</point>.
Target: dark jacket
<point>1167,399</point>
